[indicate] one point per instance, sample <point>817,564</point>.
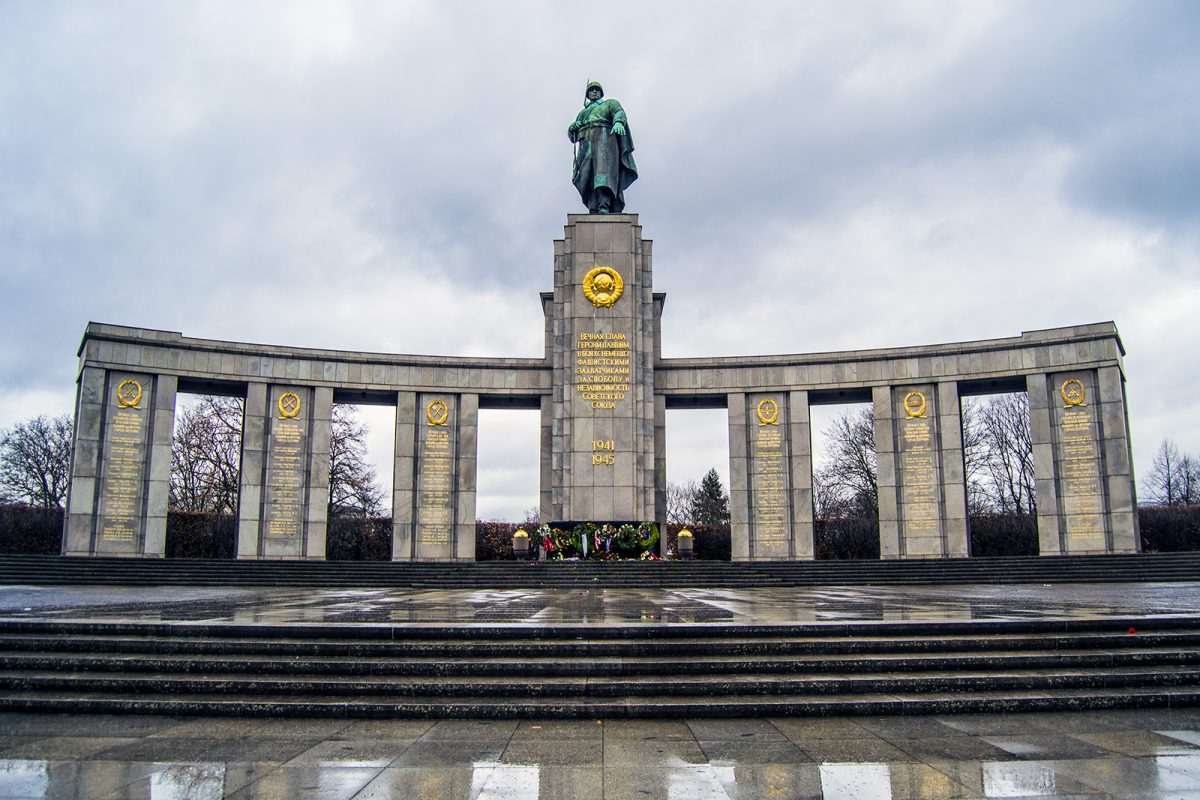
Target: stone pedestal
<point>284,499</point>
<point>121,467</point>
<point>1085,489</point>
<point>602,328</point>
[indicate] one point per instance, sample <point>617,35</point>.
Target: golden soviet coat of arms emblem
<point>603,287</point>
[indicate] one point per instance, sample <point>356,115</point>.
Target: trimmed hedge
<point>1169,529</point>
<point>709,542</point>
<point>493,540</point>
<point>38,531</point>
<point>351,538</point>
<point>840,538</point>
<point>194,534</point>
<point>30,530</point>
<point>994,535</point>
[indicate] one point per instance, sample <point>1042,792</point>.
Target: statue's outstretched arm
<point>619,119</point>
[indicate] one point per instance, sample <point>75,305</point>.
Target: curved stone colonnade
<point>1078,422</point>
<point>129,378</point>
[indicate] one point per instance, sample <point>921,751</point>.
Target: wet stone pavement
<point>600,606</point>
<point>1146,753</point>
<point>1151,754</point>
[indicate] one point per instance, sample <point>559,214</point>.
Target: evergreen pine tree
<point>710,505</point>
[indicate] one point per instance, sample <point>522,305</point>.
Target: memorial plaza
<point>1136,752</point>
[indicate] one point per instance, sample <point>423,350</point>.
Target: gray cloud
<point>389,176</point>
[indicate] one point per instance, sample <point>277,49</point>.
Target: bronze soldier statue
<point>604,165</point>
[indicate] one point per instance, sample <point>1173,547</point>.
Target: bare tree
<point>679,502</point>
<point>998,451</point>
<point>206,455</point>
<point>1174,478</point>
<point>847,484</point>
<point>35,461</point>
<point>353,490</point>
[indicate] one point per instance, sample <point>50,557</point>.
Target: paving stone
<point>308,783</point>
<point>191,781</point>
<point>352,753</point>
<point>1125,777</point>
<point>449,753</point>
<point>809,728</point>
<point>579,752</point>
<point>1045,747</point>
<point>848,750</point>
<point>724,752</point>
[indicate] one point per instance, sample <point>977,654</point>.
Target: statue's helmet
<point>593,85</point>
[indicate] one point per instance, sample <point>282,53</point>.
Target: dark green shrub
<point>352,538</point>
<point>1169,529</point>
<point>840,538</point>
<point>194,534</point>
<point>1003,535</point>
<point>709,542</point>
<point>30,530</point>
<point>493,540</point>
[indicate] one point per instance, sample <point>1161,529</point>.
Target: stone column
<point>437,447</point>
<point>82,497</point>
<point>1041,432</point>
<point>739,479</point>
<point>800,439</point>
<point>953,472</point>
<point>886,473</point>
<point>250,491</point>
<point>158,488</point>
<point>660,468</point>
<point>404,477</point>
<point>602,318</point>
<point>125,448</point>
<point>919,478</point>
<point>767,452</point>
<point>465,474</point>
<point>1120,487</point>
<point>317,512</point>
<point>286,514</point>
<point>549,499</point>
<point>1090,463</point>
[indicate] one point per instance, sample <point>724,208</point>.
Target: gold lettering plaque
<point>289,405</point>
<point>914,405</point>
<point>129,394</point>
<point>1073,393</point>
<point>603,287</point>
<point>768,412</point>
<point>437,412</point>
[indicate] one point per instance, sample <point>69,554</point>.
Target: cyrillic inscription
<point>602,368</point>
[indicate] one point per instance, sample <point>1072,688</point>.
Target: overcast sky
<point>390,177</point>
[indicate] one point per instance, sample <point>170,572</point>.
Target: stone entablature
<point>603,390</point>
<point>172,353</point>
<point>1033,352</point>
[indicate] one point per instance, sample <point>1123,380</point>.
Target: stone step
<point>734,705</point>
<point>515,688</point>
<point>558,665</point>
<point>59,570</point>
<point>602,647</point>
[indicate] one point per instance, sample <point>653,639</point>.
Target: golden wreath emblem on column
<point>768,412</point>
<point>1073,393</point>
<point>129,394</point>
<point>914,405</point>
<point>437,412</point>
<point>289,405</point>
<point>603,286</point>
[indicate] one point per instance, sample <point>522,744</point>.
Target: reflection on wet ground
<point>610,606</point>
<point>1149,753</point>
